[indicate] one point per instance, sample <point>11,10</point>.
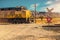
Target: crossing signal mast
<point>49,18</point>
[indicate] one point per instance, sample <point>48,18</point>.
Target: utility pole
<point>35,12</point>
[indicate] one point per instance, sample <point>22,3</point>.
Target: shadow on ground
<point>52,28</point>
<point>31,37</point>
<point>27,37</point>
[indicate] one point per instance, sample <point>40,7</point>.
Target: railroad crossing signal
<point>49,18</point>
<point>50,10</point>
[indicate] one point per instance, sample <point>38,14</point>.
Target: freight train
<point>15,14</point>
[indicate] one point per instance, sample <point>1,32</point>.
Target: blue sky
<point>41,4</point>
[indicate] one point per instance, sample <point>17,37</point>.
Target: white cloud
<point>43,9</point>
<point>55,6</point>
<point>57,0</point>
<point>49,2</point>
<point>33,6</point>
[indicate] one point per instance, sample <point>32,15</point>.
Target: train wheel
<point>12,21</point>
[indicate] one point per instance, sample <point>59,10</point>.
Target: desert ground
<point>28,32</point>
<point>31,31</point>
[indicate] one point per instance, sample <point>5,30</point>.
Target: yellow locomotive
<point>15,15</point>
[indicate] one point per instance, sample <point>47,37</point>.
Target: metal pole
<point>35,13</point>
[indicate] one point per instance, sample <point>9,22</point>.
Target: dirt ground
<point>28,32</point>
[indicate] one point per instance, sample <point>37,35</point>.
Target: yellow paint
<point>44,21</point>
<point>28,14</point>
<point>19,14</point>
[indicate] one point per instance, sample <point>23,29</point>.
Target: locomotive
<point>15,14</point>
